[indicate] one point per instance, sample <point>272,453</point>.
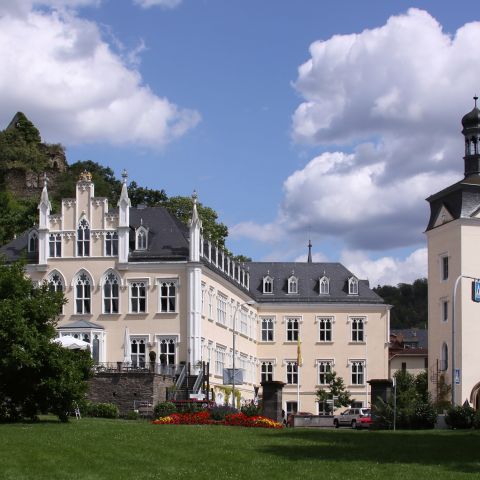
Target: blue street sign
<point>476,290</point>
<point>457,376</point>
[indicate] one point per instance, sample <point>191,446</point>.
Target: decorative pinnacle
<point>475,98</point>
<point>124,175</point>
<point>194,196</point>
<point>45,179</point>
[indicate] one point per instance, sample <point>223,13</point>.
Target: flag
<point>299,353</point>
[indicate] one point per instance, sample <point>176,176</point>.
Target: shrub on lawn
<point>132,415</point>
<point>460,417</point>
<point>164,409</point>
<point>219,412</point>
<point>250,409</point>
<point>476,420</point>
<point>102,410</point>
<point>424,416</point>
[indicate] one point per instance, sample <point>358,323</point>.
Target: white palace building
<point>138,280</point>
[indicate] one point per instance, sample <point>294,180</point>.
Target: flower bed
<point>204,418</point>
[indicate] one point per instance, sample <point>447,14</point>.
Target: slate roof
<point>308,275</point>
<point>17,249</point>
<point>412,335</point>
<point>462,199</point>
<point>81,324</point>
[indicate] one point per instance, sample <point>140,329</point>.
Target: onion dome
<point>471,119</point>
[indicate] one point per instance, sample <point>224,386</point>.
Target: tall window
<point>138,297</point>
<point>292,329</point>
<point>33,242</point>
<point>211,294</point>
<point>138,351</point>
<point>111,244</point>
<point>445,310</point>
<point>357,329</point>
<point>220,360</point>
<point>293,284</point>
<point>267,330</point>
<point>358,372</point>
<point>141,238</point>
<point>266,372</point>
<point>110,294</point>
<point>167,350</point>
<point>352,286</point>
<point>83,294</point>
<point>324,286</point>
<point>325,329</point>
<point>324,368</point>
<point>267,284</point>
<point>291,407</point>
<point>221,309</point>
<point>55,282</point>
<point>55,245</point>
<point>83,239</point>
<point>243,321</point>
<point>292,373</point>
<point>168,296</point>
<point>444,359</point>
<point>445,267</point>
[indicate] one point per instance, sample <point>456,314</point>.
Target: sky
<point>294,120</point>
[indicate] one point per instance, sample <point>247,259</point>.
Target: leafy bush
<point>132,415</point>
<point>476,420</point>
<point>250,409</point>
<point>102,410</point>
<point>219,412</point>
<point>424,415</point>
<point>164,409</point>
<point>460,417</point>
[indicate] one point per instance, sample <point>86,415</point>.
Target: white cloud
<point>157,3</point>
<point>58,70</point>
<point>387,270</point>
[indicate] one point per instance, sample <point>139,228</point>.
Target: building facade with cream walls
<point>137,280</point>
<point>453,236</point>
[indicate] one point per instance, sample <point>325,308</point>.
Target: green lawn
<point>121,449</point>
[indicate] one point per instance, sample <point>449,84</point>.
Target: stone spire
<point>44,206</point>
<point>195,231</point>
<point>309,258</point>
<point>124,205</point>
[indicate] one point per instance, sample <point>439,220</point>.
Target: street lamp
<point>250,302</point>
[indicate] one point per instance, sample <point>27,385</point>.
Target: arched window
<point>83,293</point>
<point>111,293</point>
<point>352,286</point>
<point>55,282</point>
<point>324,286</point>
<point>33,241</point>
<point>293,284</point>
<point>444,361</point>
<point>83,239</point>
<point>267,284</point>
<point>141,238</point>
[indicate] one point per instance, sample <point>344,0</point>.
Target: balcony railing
<point>141,367</point>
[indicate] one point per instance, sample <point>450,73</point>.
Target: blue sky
<point>208,95</point>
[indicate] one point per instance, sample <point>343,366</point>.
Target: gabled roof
<point>308,275</point>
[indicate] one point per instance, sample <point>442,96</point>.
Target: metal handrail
<point>197,386</point>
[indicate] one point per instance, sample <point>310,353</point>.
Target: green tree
<point>17,215</point>
<point>335,388</point>
<point>36,374</point>
<point>181,207</point>
<point>145,196</point>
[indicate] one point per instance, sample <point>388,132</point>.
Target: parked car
<point>290,418</point>
<point>353,417</point>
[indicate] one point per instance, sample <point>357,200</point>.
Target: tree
<point>335,390</point>
<point>145,196</point>
<point>36,375</point>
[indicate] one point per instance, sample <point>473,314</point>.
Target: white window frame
<point>56,284</point>
<point>324,286</point>
<point>165,342</point>
<point>322,370</point>
<point>141,238</point>
<point>55,245</point>
<point>322,322</point>
<point>135,358</point>
<point>295,336</point>
<point>33,237</point>
<point>111,243</point>
<point>222,301</point>
<point>291,372</point>
<point>84,236</point>
<point>165,298</point>
<point>111,297</point>
<point>220,357</point>
<point>86,295</point>
<point>268,285</point>
<point>355,375</point>
<point>270,321</point>
<point>353,286</point>
<point>130,283</point>
<point>293,285</point>
<point>267,370</point>
<point>444,267</point>
<point>357,332</point>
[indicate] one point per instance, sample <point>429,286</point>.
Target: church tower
<point>453,239</point>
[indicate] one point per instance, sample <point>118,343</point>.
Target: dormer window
<point>352,286</point>
<point>83,239</point>
<point>324,286</point>
<point>33,241</point>
<point>141,238</point>
<point>267,284</point>
<point>293,284</point>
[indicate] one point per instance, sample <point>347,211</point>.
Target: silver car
<point>353,417</point>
